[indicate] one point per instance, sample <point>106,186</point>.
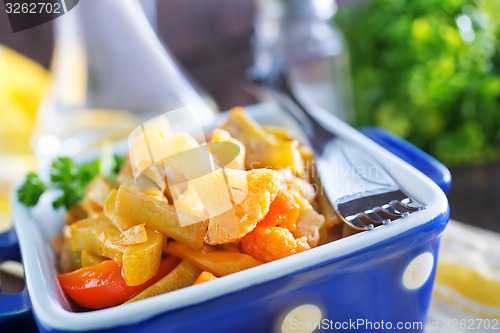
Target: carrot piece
<point>283,212</point>
<point>231,225</point>
<point>205,277</point>
<point>268,244</point>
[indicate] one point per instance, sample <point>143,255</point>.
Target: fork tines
<point>383,214</point>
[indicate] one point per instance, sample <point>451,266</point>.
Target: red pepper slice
<point>102,285</point>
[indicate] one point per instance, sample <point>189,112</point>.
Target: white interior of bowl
<point>37,226</point>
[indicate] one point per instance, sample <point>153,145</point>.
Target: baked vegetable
<point>183,275</point>
<point>215,261</point>
<point>205,277</point>
<point>121,241</point>
<point>102,285</point>
<point>140,262</point>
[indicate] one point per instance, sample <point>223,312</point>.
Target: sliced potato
<point>217,262</point>
<point>96,193</point>
<point>238,163</point>
<point>246,130</point>
<point>90,259</point>
<point>140,262</point>
<point>263,150</point>
<point>159,215</point>
<point>75,213</point>
<point>126,177</point>
<point>280,133</point>
<point>307,155</point>
<point>281,155</point>
<point>310,224</point>
<point>91,208</point>
<point>84,233</point>
<point>126,174</point>
<point>98,189</point>
<point>109,210</point>
<point>283,134</point>
<point>69,260</point>
<point>133,236</point>
<point>304,188</point>
<point>184,275</point>
<point>155,194</point>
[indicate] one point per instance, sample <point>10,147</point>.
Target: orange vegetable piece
<point>283,212</point>
<point>268,244</point>
<point>231,225</point>
<point>103,285</point>
<point>133,236</point>
<point>207,258</point>
<point>205,277</point>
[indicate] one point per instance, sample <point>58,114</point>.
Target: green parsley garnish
<point>68,177</point>
<point>31,190</point>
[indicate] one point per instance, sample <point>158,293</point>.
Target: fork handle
<point>424,162</point>
<point>275,83</point>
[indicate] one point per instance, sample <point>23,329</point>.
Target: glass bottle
<point>297,35</point>
<point>110,74</point>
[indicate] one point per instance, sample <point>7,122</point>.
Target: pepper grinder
<point>299,37</point>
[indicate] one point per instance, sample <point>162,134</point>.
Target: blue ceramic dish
<point>379,280</point>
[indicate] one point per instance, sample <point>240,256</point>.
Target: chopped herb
<point>29,193</point>
<point>68,177</point>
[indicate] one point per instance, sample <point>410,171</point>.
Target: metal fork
<point>361,191</point>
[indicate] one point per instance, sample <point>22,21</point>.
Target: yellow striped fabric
<point>22,85</point>
<point>466,292</point>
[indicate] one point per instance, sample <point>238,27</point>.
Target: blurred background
<point>429,71</point>
<point>426,70</point>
